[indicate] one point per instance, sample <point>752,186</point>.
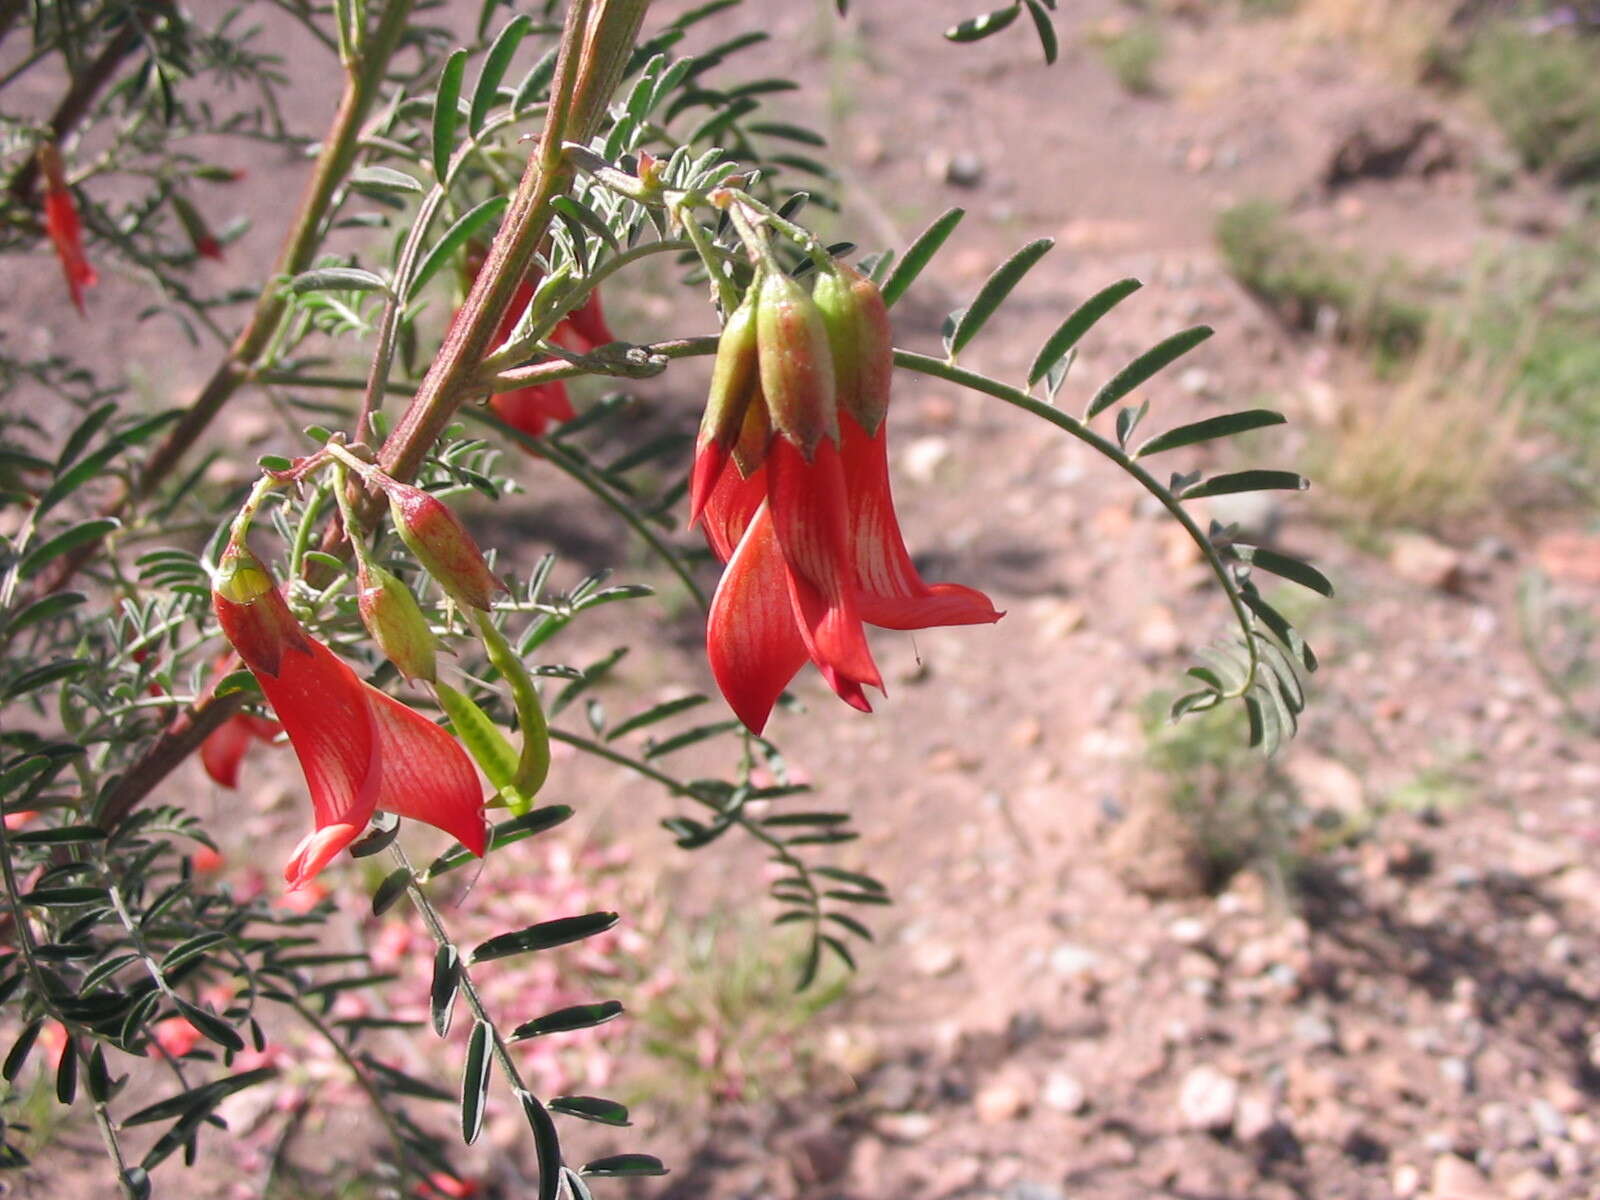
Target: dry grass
<point>1433,445</point>
<point>1404,34</point>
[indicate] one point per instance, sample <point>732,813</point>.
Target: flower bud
<point>194,225</point>
<point>442,545</point>
<point>252,612</point>
<point>390,613</point>
<point>863,352</point>
<point>735,380</point>
<point>796,364</point>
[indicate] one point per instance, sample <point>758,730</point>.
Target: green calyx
<point>857,322</point>
<point>796,361</point>
<point>396,623</point>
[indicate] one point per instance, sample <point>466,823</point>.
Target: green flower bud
<point>390,613</point>
<point>863,352</point>
<point>735,378</point>
<point>796,364</point>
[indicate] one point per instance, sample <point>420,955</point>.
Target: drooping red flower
<point>532,409</point>
<point>360,749</point>
<point>811,541</point>
<point>62,226</point>
<point>226,745</point>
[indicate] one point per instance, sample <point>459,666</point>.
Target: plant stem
<point>546,372</point>
<point>81,92</point>
<point>363,1081</point>
<point>333,164</point>
<point>469,990</point>
<point>595,44</point>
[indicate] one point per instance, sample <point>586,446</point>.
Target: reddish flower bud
<point>796,364</point>
<point>390,613</point>
<point>863,349</point>
<point>62,226</point>
<point>200,236</point>
<point>442,545</point>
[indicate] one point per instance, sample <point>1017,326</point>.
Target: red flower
<point>812,544</point>
<point>174,1037</point>
<point>810,559</point>
<point>225,746</point>
<point>588,323</point>
<point>440,1183</point>
<point>360,749</point>
<point>63,228</point>
<point>531,409</point>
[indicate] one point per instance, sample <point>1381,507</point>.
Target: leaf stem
<point>940,369</point>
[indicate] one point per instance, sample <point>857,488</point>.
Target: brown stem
<point>181,738</point>
<point>595,44</point>
<point>10,10</point>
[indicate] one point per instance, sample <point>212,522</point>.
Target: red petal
<point>589,321</point>
<point>66,235</point>
<point>729,508</point>
<point>892,594</point>
<point>531,409</point>
<point>420,771</point>
<point>224,747</point>
<point>710,461</point>
<point>324,710</point>
<point>751,639</point>
<point>810,518</point>
<point>316,850</point>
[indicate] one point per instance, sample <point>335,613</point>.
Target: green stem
<point>333,165</point>
<point>727,294</point>
<point>469,990</point>
<point>548,372</point>
<point>940,369</point>
<point>519,349</point>
<point>799,234</point>
<point>108,1135</point>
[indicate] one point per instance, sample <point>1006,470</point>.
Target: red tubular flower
<point>811,540</point>
<point>360,749</point>
<point>226,745</point>
<point>588,321</point>
<point>63,228</point>
<point>531,409</point>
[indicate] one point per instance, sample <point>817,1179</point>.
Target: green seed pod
<point>796,364</point>
<point>858,331</point>
<point>390,613</point>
